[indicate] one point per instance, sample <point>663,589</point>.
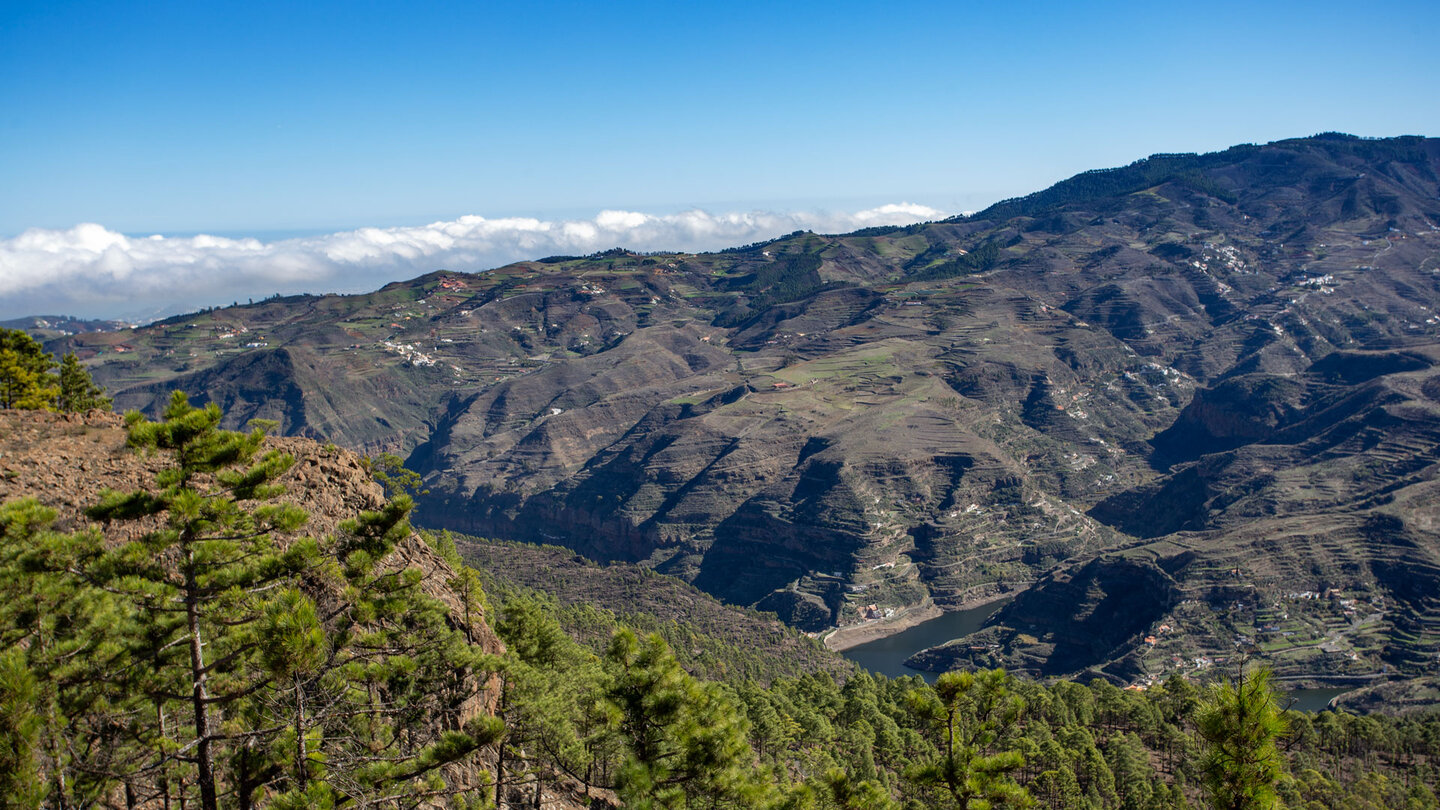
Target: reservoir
<point>887,655</point>
<point>1313,700</point>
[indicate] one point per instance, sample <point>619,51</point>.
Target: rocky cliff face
<point>1199,353</point>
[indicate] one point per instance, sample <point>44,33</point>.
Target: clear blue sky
<point>259,116</point>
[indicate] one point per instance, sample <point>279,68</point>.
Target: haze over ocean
<point>90,271</point>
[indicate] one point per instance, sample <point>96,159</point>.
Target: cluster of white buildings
<point>409,353</point>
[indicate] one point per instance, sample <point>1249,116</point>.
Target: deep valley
<point>1177,411</point>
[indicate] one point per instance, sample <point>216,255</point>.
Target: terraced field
<point>1161,396</point>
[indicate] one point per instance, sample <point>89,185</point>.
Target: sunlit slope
<point>1214,372</point>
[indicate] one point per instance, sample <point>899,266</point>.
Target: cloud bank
<point>90,271</point>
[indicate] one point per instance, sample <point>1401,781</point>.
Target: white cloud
<point>89,270</point>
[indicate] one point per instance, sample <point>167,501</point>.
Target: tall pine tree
<point>77,391</point>
<point>685,740</point>
<point>25,378</point>
<point>972,712</point>
<point>1241,723</point>
<point>64,638</point>
<point>316,675</point>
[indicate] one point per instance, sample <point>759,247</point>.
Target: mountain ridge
<point>1175,360</point>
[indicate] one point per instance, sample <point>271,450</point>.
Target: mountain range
<point>1180,410</point>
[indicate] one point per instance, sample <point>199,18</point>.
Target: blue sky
<point>256,118</point>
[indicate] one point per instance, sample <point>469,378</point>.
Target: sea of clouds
<point>91,271</point>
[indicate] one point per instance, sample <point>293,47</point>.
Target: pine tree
<point>685,740</point>
<point>1241,722</point>
<point>78,392</point>
<point>547,683</point>
<point>972,711</point>
<point>324,676</point>
<point>1130,764</point>
<point>846,793</point>
<point>19,734</point>
<point>1059,789</point>
<point>401,681</point>
<point>25,379</point>
<point>61,631</point>
<point>204,579</point>
<point>389,471</point>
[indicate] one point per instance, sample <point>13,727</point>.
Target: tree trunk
<point>52,733</point>
<point>164,780</point>
<point>205,767</point>
<point>245,784</point>
<point>500,707</point>
<point>302,772</point>
<point>500,774</point>
<point>465,600</point>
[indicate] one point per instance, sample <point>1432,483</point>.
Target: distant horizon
<point>958,202</point>
<point>92,272</point>
<point>89,271</point>
<point>795,205</point>
<point>294,123</point>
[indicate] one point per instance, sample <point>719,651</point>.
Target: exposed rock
<point>1227,356</point>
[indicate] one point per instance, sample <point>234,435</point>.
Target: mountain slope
<point>1213,366</point>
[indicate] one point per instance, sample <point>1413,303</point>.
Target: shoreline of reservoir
<point>844,638</point>
<point>884,646</point>
<point>855,635</point>
<point>886,652</point>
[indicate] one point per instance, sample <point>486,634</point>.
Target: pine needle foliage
<point>77,391</point>
<point>25,379</point>
<point>28,380</point>
<point>685,741</point>
<point>1242,723</point>
<point>217,657</point>
<point>972,712</point>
